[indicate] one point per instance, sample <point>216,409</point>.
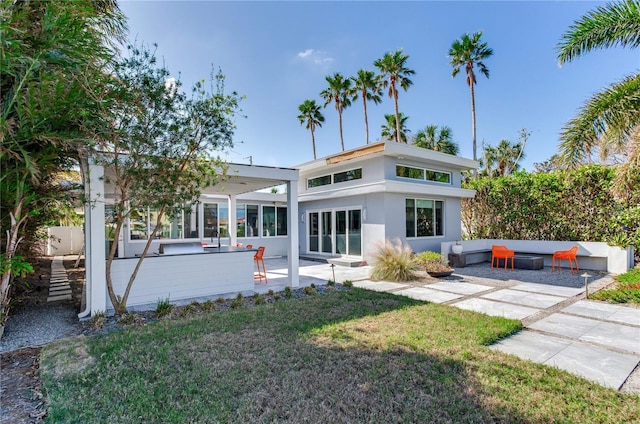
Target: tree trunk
<point>313,143</point>
<point>366,120</point>
<point>13,240</point>
<point>395,104</point>
<point>340,120</point>
<point>473,119</point>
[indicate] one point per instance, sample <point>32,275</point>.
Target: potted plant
<point>435,264</point>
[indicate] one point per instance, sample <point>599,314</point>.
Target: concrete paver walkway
<point>598,341</point>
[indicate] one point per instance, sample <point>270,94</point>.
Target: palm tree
<point>503,159</point>
<point>610,120</point>
<point>339,92</point>
<point>469,51</point>
<point>393,70</point>
<point>367,86</point>
<point>311,117</point>
<point>440,141</point>
<point>389,130</point>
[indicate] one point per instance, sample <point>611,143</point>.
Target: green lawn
<point>349,356</point>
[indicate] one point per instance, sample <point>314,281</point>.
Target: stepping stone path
<point>598,341</point>
<point>59,288</point>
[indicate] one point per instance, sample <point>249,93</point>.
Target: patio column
<point>95,249</point>
<point>233,226</point>
<point>293,243</point>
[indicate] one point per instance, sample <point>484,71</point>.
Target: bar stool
<point>259,259</point>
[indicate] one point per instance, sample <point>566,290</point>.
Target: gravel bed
<point>39,325</point>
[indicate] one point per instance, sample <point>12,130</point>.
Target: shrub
<point>310,290</point>
<point>259,300</point>
<point>627,289</point>
<point>270,292</point>
<point>238,302</point>
<point>432,261</point>
<point>129,318</point>
<point>277,297</point>
<point>97,321</point>
<point>220,300</point>
<point>208,305</point>
<point>331,283</point>
<point>287,292</point>
<point>188,310</point>
<point>347,283</point>
<point>394,262</point>
<point>163,308</point>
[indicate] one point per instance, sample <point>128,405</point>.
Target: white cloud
<point>317,57</point>
<point>305,53</point>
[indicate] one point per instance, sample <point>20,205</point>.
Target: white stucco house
<point>343,205</point>
<point>349,203</point>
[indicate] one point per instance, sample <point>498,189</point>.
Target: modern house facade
<point>346,204</point>
<point>351,202</point>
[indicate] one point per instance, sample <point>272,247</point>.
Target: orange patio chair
<point>501,252</point>
<point>569,255</point>
<point>262,271</point>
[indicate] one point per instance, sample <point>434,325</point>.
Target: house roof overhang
<point>400,151</point>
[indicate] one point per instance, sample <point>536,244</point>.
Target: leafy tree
<point>609,122</point>
<point>393,70</point>
<point>51,64</point>
<point>160,145</point>
<point>439,140</point>
<point>338,92</point>
<point>311,117</point>
<point>501,160</point>
<point>389,129</point>
<point>549,165</point>
<point>469,52</point>
<point>367,85</point>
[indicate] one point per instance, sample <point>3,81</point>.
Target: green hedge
<point>564,205</point>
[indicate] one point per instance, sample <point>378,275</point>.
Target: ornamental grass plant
<point>394,261</point>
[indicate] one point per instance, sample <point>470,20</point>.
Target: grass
<point>627,289</point>
<point>347,356</point>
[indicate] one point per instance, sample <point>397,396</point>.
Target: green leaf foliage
<point>565,205</point>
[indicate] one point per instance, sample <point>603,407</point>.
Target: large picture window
<point>424,217</point>
<point>274,221</point>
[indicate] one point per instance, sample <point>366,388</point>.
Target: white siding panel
<point>184,276</point>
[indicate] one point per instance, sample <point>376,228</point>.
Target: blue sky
<point>277,54</point>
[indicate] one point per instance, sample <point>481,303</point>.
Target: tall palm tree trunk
<point>366,120</point>
<point>340,119</point>
<point>313,142</point>
<point>473,119</point>
<point>395,104</point>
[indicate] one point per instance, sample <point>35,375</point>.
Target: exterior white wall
<point>64,241</point>
<point>176,277</point>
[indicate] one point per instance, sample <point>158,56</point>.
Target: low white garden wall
<point>596,256</point>
<point>176,277</point>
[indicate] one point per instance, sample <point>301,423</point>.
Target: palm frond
<point>610,114</point>
<point>615,24</point>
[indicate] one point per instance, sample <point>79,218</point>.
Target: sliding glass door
<point>335,232</point>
